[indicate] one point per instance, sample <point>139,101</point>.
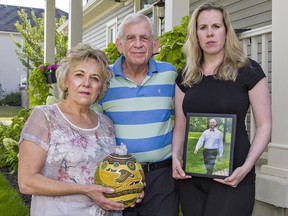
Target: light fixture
<point>160,5</point>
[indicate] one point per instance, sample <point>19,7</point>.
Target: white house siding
<point>11,68</point>
<point>244,13</point>
<point>96,33</point>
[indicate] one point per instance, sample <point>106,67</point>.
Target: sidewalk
<point>6,122</point>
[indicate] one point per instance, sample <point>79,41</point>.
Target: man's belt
<point>149,166</point>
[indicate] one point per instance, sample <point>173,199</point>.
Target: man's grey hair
<point>136,18</point>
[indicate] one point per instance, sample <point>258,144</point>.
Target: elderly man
<point>140,103</point>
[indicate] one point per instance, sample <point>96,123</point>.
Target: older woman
<point>62,144</point>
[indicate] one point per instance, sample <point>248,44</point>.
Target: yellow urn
<point>124,174</point>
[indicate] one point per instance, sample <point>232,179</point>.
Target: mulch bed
<point>12,178</point>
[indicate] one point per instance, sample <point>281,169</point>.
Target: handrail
<point>255,32</point>
<point>256,38</point>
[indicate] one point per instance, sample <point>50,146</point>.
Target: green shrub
<point>10,154</point>
<point>171,44</point>
<point>13,99</point>
<point>112,53</point>
<point>9,137</point>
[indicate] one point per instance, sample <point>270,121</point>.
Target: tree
<point>30,51</point>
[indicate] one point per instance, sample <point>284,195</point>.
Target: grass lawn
<point>10,201</point>
<point>8,112</point>
<point>195,163</point>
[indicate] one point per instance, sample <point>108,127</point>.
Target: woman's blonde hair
<point>234,57</point>
<point>80,53</point>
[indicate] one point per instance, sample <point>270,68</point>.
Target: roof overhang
<point>95,9</point>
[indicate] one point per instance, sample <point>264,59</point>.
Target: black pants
<point>209,159</point>
<point>161,197</point>
<point>205,197</point>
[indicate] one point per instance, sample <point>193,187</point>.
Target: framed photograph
<point>209,144</point>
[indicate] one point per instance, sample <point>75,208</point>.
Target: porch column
<point>75,23</point>
<point>49,38</point>
<point>49,32</point>
<point>174,11</point>
<point>272,181</point>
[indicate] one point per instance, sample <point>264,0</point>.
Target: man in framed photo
<point>212,140</point>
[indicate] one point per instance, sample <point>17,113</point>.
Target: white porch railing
<point>257,44</point>
<point>258,38</point>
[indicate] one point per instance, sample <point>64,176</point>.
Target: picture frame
<point>203,155</point>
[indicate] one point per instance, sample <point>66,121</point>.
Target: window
<point>148,9</point>
<point>23,81</point>
<point>111,31</point>
<point>144,4</point>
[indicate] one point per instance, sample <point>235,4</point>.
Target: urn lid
<point>120,158</point>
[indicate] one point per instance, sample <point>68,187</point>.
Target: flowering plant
<point>49,71</point>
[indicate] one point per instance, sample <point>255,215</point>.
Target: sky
<point>60,4</point>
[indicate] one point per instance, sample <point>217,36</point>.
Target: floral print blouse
<point>73,155</point>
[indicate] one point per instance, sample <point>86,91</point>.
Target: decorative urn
<point>124,174</point>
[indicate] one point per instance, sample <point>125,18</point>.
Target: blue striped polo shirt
<point>142,113</point>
